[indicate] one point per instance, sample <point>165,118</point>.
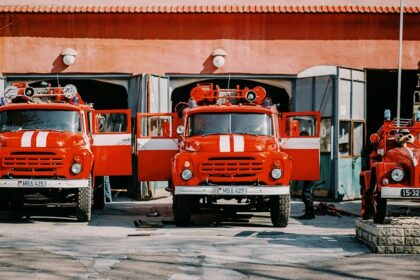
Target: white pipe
<point>400,59</point>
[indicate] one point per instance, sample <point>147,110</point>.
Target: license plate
<point>232,190</point>
<point>410,193</point>
<point>32,183</point>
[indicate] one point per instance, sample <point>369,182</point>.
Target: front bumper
<point>44,184</point>
<point>245,190</point>
<point>395,192</point>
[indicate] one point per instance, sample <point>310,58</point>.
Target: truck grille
<point>42,163</point>
<point>231,167</point>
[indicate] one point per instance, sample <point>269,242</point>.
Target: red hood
<point>230,143</point>
<point>408,156</point>
<point>40,139</point>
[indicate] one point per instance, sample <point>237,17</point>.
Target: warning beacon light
<point>70,91</point>
<point>22,92</point>
<point>11,92</point>
<point>208,94</point>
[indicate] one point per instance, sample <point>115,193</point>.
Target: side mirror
<point>374,138</point>
<point>180,129</point>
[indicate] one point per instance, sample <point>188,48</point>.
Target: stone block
<point>382,231</point>
<point>413,232</point>
<point>382,241</point>
<point>399,249</point>
<point>385,249</point>
<point>395,240</point>
<point>416,250</point>
<point>409,241</point>
<point>408,249</point>
<point>395,231</point>
<point>416,241</point>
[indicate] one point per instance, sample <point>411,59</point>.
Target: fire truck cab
<point>53,146</point>
<point>229,145</point>
<point>394,170</point>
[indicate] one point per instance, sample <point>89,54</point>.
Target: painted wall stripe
<point>224,144</point>
<point>41,139</point>
<point>26,139</point>
<point>151,144</point>
<point>300,143</point>
<point>238,143</point>
<point>112,139</point>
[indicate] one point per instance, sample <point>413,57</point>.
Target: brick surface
<point>397,236</point>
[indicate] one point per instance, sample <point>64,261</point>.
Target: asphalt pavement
<point>53,245</point>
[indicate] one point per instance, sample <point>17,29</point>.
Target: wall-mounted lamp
<point>69,56</point>
<point>218,57</point>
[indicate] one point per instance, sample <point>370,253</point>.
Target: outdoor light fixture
<point>69,56</point>
<point>218,57</point>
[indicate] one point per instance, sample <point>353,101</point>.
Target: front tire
<point>280,210</point>
<point>182,210</point>
<point>378,208</point>
<point>84,204</point>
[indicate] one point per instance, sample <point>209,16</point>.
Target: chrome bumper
<point>44,184</point>
<point>394,192</point>
<point>219,190</point>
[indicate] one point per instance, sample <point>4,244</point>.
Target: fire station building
<point>339,57</point>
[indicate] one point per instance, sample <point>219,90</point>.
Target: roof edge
<point>201,9</point>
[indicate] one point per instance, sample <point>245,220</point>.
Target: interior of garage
<point>278,95</point>
<point>381,88</point>
<point>103,95</point>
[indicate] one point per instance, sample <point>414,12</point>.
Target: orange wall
<point>182,43</point>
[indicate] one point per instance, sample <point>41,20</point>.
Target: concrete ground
<point>237,247</point>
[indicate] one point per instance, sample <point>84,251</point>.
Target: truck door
<point>300,139</point>
<point>157,144</point>
<point>111,133</point>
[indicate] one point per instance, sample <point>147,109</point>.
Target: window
<point>230,123</point>
<point>112,122</point>
<point>344,138</point>
<point>60,120</point>
<point>301,126</point>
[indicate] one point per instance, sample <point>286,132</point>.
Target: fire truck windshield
<point>58,120</point>
<point>230,123</point>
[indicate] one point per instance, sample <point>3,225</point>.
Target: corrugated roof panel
<point>207,9</point>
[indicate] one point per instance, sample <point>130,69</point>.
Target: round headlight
<point>276,173</point>
<point>76,168</point>
<point>397,174</point>
<point>186,174</point>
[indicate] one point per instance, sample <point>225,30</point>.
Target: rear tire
<point>366,205</point>
<point>182,210</point>
<point>84,204</point>
<point>280,210</point>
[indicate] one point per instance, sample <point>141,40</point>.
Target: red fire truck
<point>394,171</point>
<point>54,145</point>
<point>232,145</point>
<point>225,144</point>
